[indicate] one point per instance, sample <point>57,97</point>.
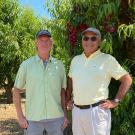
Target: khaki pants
<point>92,121</point>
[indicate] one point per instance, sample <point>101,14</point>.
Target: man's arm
<point>63,104</point>
<point>17,101</point>
<point>126,82</point>
<point>69,93</point>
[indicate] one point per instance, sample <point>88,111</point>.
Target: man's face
<point>43,44</point>
<point>90,42</point>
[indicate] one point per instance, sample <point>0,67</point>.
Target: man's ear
<point>51,39</point>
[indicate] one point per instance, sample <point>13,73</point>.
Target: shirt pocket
<point>34,75</point>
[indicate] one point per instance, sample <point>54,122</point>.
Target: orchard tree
<point>17,34</point>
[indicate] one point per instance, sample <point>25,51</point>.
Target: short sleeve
<point>70,69</point>
<point>21,77</point>
<point>116,71</point>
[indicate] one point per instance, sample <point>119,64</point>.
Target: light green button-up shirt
<point>43,87</point>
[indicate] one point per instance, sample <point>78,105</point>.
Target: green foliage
<point>107,8</point>
<point>59,12</point>
<point>18,27</point>
<point>127,31</point>
<point>106,45</point>
<point>9,11</point>
<point>91,13</point>
<point>8,39</point>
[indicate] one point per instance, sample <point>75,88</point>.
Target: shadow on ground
<point>10,127</point>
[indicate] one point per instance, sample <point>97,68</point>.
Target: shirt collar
<point>92,55</point>
<point>39,59</point>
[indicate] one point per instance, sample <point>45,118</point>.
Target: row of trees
<point>17,33</point>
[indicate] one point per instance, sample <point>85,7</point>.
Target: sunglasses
<point>93,38</point>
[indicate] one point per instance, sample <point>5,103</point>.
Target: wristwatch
<point>116,100</point>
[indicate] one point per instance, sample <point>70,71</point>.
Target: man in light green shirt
<point>44,79</point>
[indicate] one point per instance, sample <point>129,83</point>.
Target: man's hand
<point>70,105</point>
<point>23,122</point>
<point>65,123</point>
<point>108,104</point>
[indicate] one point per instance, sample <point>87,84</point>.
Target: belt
<point>88,106</point>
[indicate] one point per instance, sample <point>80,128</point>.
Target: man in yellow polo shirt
<point>89,77</point>
<point>44,79</point>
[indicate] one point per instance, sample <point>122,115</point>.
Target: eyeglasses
<point>93,38</point>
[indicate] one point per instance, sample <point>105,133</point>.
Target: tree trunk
<point>9,99</point>
<point>130,49</point>
<point>8,89</point>
<point>124,15</point>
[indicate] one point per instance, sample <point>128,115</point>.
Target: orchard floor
<point>9,124</point>
<point>8,120</point>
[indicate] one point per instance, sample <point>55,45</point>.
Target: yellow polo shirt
<point>91,76</point>
<point>43,87</point>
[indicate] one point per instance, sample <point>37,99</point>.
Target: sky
<point>37,5</point>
